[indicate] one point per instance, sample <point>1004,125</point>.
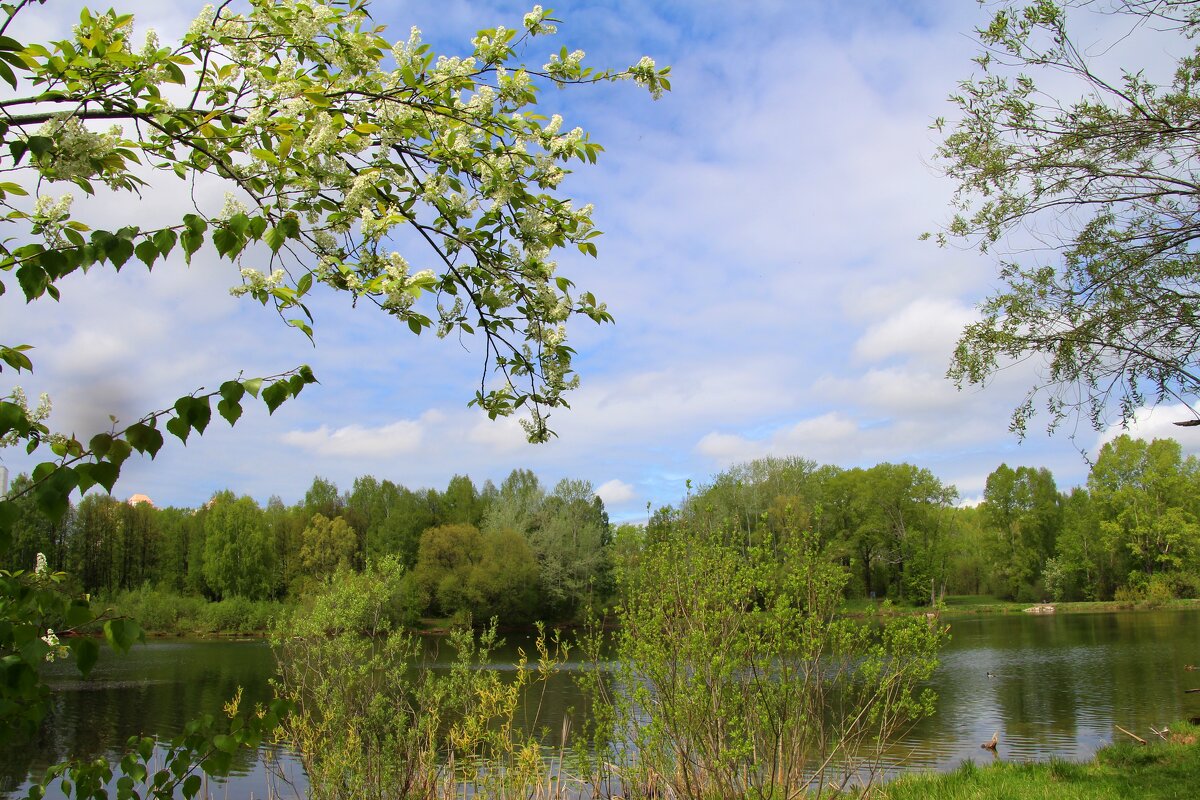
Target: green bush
<point>372,721</point>
<point>743,676</point>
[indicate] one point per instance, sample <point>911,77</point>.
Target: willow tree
<point>423,185</point>
<point>1082,173</point>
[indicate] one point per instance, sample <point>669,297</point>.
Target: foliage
<point>739,677</point>
<point>1022,509</point>
<point>164,612</point>
<point>1145,498</point>
<point>1084,172</point>
<point>333,156</point>
<point>373,719</point>
<point>34,610</point>
<point>889,524</point>
<point>238,556</point>
<point>469,574</point>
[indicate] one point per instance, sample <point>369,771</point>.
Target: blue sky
<point>761,257</point>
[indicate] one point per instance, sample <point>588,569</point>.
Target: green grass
<point>1157,771</point>
<point>164,613</point>
<point>956,605</point>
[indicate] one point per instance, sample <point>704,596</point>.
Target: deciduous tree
<point>1079,168</point>
<point>423,185</point>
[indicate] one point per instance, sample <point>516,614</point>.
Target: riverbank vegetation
<point>522,552</point>
<point>729,674</point>
<point>1123,770</point>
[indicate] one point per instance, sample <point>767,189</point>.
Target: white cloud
<point>502,435</point>
<point>615,492</point>
<point>817,438</point>
<point>1157,422</point>
<point>926,328</point>
<point>357,441</point>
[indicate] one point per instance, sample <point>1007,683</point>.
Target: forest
<point>522,552</point>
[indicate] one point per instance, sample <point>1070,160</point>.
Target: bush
<point>238,615</point>
<point>742,676</point>
<point>371,720</point>
<point>156,610</point>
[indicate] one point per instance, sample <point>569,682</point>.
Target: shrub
<point>372,720</point>
<point>740,677</point>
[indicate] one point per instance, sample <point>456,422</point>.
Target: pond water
<point>1058,685</point>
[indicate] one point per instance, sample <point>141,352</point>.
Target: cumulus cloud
<point>926,328</point>
<point>357,441</point>
<point>817,437</point>
<point>1156,422</point>
<point>615,492</point>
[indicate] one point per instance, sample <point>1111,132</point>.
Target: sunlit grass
<point>1122,771</point>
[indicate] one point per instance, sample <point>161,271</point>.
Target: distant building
<point>138,499</point>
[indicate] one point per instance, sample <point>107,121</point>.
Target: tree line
<point>521,551</point>
<point>518,550</point>
<point>1132,533</point>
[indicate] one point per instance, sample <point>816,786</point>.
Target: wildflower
<point>57,649</point>
<point>41,567</point>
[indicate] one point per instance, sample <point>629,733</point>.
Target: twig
<point>1127,733</point>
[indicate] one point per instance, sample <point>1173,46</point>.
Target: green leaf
<point>86,652</point>
<point>13,418</point>
<point>144,438</point>
<point>119,452</point>
<point>275,238</point>
<point>165,240</point>
<point>225,743</point>
<point>119,251</point>
<point>79,613</point>
<point>230,410</point>
<point>100,444</point>
<point>303,326</point>
<point>275,394</point>
<point>39,145</point>
<point>180,427</point>
<point>101,472</point>
<point>199,413</point>
<point>253,385</point>
<point>191,242</point>
<point>191,785</point>
<point>227,242</point>
<point>33,280</point>
<point>122,632</point>
<point>53,494</point>
<point>232,391</point>
<point>147,252</point>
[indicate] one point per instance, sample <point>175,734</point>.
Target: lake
<point>1061,683</point>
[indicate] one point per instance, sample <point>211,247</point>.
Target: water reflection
<point>1060,684</point>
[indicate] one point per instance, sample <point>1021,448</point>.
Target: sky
<point>761,256</point>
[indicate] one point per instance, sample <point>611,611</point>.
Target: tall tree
<point>1145,499</point>
<point>1096,157</point>
<point>1023,511</point>
<point>332,141</point>
<point>239,555</point>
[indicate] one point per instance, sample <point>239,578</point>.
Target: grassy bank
<point>1121,771</point>
<point>964,605</point>
<point>167,614</point>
